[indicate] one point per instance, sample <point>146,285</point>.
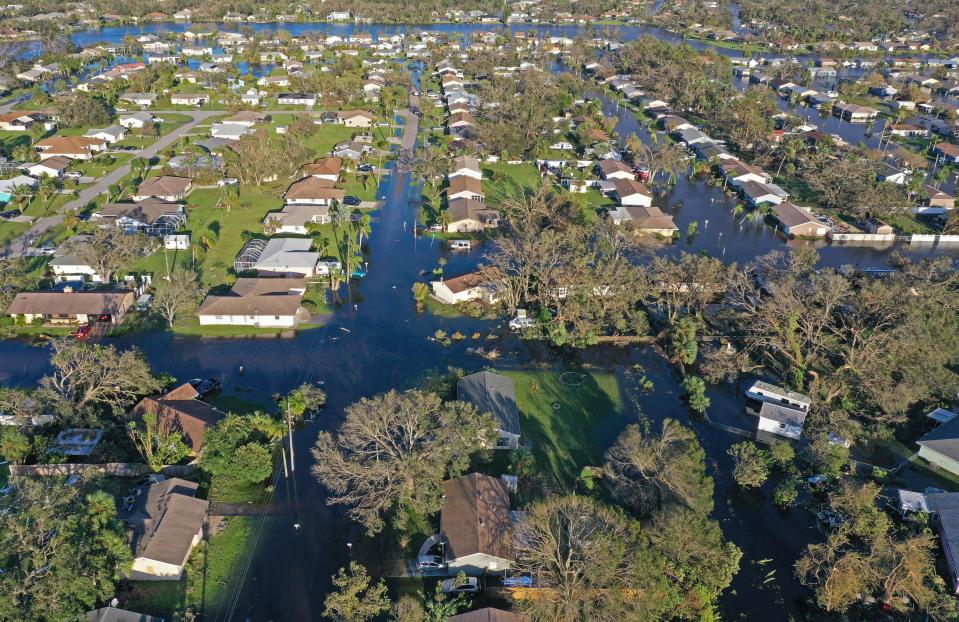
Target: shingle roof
<point>180,411</point>
<point>70,303</point>
<point>164,186</point>
<point>488,614</point>
<point>475,517</point>
<point>492,393</point>
<point>170,536</point>
<point>112,614</point>
<point>944,439</point>
<point>782,414</point>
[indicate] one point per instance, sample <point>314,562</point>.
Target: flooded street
<point>374,341</point>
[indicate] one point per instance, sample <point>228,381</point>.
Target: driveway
<point>18,246</point>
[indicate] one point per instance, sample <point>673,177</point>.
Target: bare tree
<point>109,250</point>
<point>393,452</point>
<point>176,294</point>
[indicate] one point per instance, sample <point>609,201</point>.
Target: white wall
<point>265,321</point>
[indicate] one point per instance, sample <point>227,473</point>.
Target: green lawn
<point>502,181</point>
<point>9,140</point>
<point>321,141</point>
<point>354,186</point>
<point>563,437</point>
<point>102,164</point>
<point>11,230</point>
<point>210,577</point>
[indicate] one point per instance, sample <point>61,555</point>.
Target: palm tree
<point>48,189</point>
<point>23,195</point>
<point>24,153</point>
<point>363,227</point>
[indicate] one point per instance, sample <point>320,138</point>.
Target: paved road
<point>18,246</point>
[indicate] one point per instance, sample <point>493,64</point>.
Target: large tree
<point>593,561</point>
<point>96,375</point>
<point>108,249</point>
<point>393,452</point>
<point>355,596</point>
<point>63,551</point>
<point>649,470</point>
<point>176,294</point>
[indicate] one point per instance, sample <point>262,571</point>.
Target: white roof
<point>942,415</point>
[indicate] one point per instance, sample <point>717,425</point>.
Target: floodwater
<point>375,341</point>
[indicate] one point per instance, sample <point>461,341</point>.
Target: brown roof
<point>463,182</point>
<point>146,211</point>
<point>324,166</point>
<point>180,411</point>
<point>267,286</point>
<point>349,114</point>
<point>467,162</point>
<point>629,187</point>
<point>164,186</point>
<point>314,188</point>
<point>169,536</point>
<point>650,218</point>
<point>488,614</point>
<point>469,209</point>
<point>609,167</point>
<point>475,517</point>
<point>464,282</point>
<point>948,149</point>
<point>247,116</point>
<point>257,296</point>
<point>461,117</point>
<point>70,144</point>
<point>70,303</point>
<point>57,163</point>
<point>792,215</point>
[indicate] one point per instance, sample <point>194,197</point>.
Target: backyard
<point>561,413</point>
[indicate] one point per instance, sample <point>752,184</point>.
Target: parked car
<point>460,245</point>
<point>72,175</point>
<point>83,332</point>
<point>10,213</point>
<point>351,200</point>
<point>365,168</point>
<point>205,386</point>
<point>520,580</point>
<point>430,562</point>
<point>469,585</point>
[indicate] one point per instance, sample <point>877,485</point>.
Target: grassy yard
<point>561,421</point>
<point>11,230</point>
<point>102,164</point>
<point>209,579</point>
<point>502,181</point>
<point>321,142</point>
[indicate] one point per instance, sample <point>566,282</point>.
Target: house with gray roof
<point>495,394</point>
<point>944,508</point>
<point>114,614</point>
<point>941,446</point>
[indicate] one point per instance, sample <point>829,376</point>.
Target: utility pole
<point>289,434</point>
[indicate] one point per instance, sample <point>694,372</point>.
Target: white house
<point>494,394</point>
<point>280,256</point>
<point>466,166</point>
<point>257,302</point>
<point>112,134</point>
<point>50,167</point>
<point>780,411</point>
<point>470,286</point>
<point>632,193</point>
<point>295,219</point>
<point>137,120</point>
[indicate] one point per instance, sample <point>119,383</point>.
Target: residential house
<point>73,147</point>
<point>495,394</point>
<point>70,307</point>
<point>67,264</point>
<point>757,194</point>
<point>18,121</point>
<point>672,123</point>
<point>908,130</point>
<point>139,99</point>
<point>466,166</point>
<point>615,169</point>
<point>313,191</point>
<point>853,112</point>
<point>476,525</point>
<point>780,411</point>
<point>649,219</point>
<point>112,134</point>
<point>738,173</point>
<point>325,168</point>
<point>632,193</point>
<point>229,131</point>
<point>690,136</point>
<point>296,99</point>
<point>150,215</point>
<point>278,256</point>
<point>939,198</point>
<point>137,120</point>
<point>355,118</point>
<point>465,187</point>
<point>258,302</point>
<point>166,187</point>
<point>941,446</point>
<point>465,288</point>
<point>947,151</point>
<point>295,219</point>
<point>461,121</point>
<point>167,522</point>
<point>50,167</point>
<point>797,221</point>
<point>189,99</point>
<point>944,508</point>
<point>470,215</point>
<point>112,614</point>
<point>180,410</point>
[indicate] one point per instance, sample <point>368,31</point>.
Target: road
<point>18,246</point>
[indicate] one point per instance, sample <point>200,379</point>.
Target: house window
<point>276,317</point>
<point>502,442</point>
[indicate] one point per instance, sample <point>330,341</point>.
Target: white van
<point>460,245</point>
